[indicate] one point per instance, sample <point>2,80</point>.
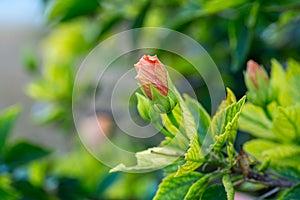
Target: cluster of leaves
<point>272,115</point>
<point>200,151</point>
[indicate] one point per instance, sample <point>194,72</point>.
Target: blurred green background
<point>41,154</point>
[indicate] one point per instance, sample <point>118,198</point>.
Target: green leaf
<point>139,21</point>
<point>7,120</point>
<point>201,117</point>
<point>283,158</point>
<point>224,124</point>
<point>214,192</point>
<point>279,83</point>
<point>151,159</point>
<point>253,120</point>
<point>193,157</point>
<point>230,99</point>
<point>228,186</point>
<point>260,148</point>
<point>286,124</point>
<point>173,188</point>
<point>167,122</point>
<point>22,153</point>
<point>293,81</point>
<point>197,188</point>
<point>291,194</point>
<point>59,10</point>
<point>214,6</point>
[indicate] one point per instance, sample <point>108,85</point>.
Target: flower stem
<point>173,119</point>
<point>163,130</point>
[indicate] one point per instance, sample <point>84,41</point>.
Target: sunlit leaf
<point>173,188</point>
<point>151,159</point>
<point>254,120</point>
<point>224,124</point>
<point>286,123</point>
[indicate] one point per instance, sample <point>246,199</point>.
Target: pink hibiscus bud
<point>151,71</point>
<point>153,77</point>
<point>254,70</point>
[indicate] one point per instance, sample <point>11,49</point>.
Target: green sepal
<point>143,107</point>
<point>161,103</point>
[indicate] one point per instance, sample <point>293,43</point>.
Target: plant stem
<point>163,130</point>
<point>173,119</point>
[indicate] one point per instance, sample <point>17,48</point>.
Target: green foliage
<point>276,123</point>
<point>232,31</point>
<point>184,145</point>
<point>173,187</point>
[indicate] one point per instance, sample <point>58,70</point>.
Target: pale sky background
<point>21,26</point>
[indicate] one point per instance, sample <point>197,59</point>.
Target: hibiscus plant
<point>199,156</point>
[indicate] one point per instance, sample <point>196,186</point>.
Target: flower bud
<point>258,85</point>
<point>254,71</point>
<point>153,77</point>
<point>151,71</point>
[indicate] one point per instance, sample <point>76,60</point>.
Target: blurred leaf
<point>29,191</point>
<point>30,60</point>
<point>278,82</point>
<point>62,10</point>
<point>7,121</point>
<point>214,6</point>
<point>173,188</point>
<point>293,81</point>
<point>139,21</point>
<point>8,194</point>
<point>283,157</point>
<point>22,153</point>
<point>254,120</point>
<point>70,188</point>
<point>214,192</point>
<point>286,124</point>
<point>291,194</point>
